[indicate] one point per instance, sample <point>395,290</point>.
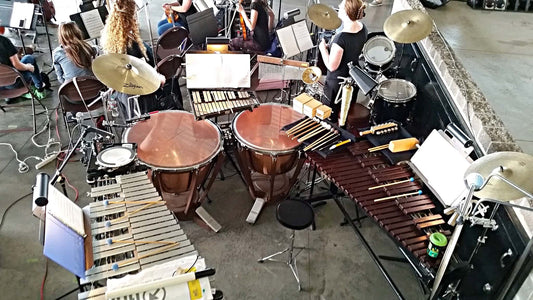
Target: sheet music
<point>443,166</point>
<point>22,15</point>
<point>302,36</point>
<point>163,271</point>
<point>288,42</point>
<point>64,210</point>
<point>218,71</point>
<point>92,22</point>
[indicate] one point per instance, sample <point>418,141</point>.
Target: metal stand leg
<point>291,259</point>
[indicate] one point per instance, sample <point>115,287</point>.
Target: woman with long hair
<point>345,47</point>
<point>74,56</point>
<point>121,32</point>
<point>260,24</point>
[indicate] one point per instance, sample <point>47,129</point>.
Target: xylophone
<point>212,103</point>
<point>131,228</point>
<point>406,214</point>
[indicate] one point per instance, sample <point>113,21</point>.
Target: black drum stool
<point>295,215</point>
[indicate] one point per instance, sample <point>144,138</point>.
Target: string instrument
<point>243,25</point>
<point>49,10</point>
<point>2,29</point>
<point>172,16</point>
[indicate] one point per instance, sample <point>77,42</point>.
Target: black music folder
<point>91,22</point>
<point>202,25</point>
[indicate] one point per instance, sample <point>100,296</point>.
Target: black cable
<point>190,267</point>
<point>9,207</point>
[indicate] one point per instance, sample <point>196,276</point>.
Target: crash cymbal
<point>408,26</point>
<point>514,166</point>
<point>324,16</point>
<point>311,75</point>
<point>126,74</point>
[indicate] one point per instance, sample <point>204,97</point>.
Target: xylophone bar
<point>214,103</point>
<point>130,222</point>
<point>408,219</point>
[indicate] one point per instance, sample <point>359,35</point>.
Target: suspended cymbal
<point>517,168</point>
<point>126,74</point>
<point>408,26</point>
<point>311,75</point>
<point>323,16</point>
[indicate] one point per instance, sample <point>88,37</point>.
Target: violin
<point>172,16</point>
<point>243,25</point>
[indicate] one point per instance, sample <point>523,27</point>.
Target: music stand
<point>202,25</point>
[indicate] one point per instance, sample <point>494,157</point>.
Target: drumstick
<point>305,121</point>
<point>319,140</point>
<point>301,128</point>
<point>392,183</point>
<point>315,132</point>
<point>419,192</point>
<point>325,141</point>
<point>300,134</point>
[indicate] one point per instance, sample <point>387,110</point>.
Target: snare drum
<point>378,53</point>
<point>268,158</point>
<point>394,101</point>
<point>115,157</point>
<point>180,152</point>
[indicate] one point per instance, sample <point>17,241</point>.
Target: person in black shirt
<point>259,25</point>
<point>27,67</point>
<point>345,47</point>
<point>183,10</point>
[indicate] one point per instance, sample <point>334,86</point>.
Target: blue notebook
<point>64,246</point>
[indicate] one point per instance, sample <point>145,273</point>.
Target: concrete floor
<point>337,266</point>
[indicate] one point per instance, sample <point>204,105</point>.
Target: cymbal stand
<point>148,23</point>
<point>228,24</point>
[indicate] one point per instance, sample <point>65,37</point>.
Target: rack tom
<point>180,152</point>
<point>378,53</point>
<point>394,101</point>
<point>268,158</point>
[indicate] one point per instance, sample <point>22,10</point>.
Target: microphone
<point>40,189</point>
<point>98,131</point>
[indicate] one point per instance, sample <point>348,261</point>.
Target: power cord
<point>10,206</point>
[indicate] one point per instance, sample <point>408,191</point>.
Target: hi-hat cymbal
<point>311,75</point>
<point>514,166</point>
<point>324,16</point>
<point>126,74</point>
<point>408,26</point>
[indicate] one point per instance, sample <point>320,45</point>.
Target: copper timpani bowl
<point>271,151</point>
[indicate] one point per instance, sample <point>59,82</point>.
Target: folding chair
<point>80,94</point>
<point>8,77</point>
<point>173,41</point>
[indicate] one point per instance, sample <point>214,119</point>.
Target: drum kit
<point>393,97</point>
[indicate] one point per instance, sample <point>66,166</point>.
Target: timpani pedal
<point>256,210</point>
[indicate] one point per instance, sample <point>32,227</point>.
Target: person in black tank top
<point>259,25</point>
<point>183,10</point>
<point>346,47</point>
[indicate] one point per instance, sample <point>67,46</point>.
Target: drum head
<point>379,50</point>
<point>397,90</point>
<point>115,157</point>
<point>174,140</point>
<point>260,129</point>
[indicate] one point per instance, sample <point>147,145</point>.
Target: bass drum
<point>378,53</point>
<point>181,153</point>
<point>267,157</point>
<point>394,101</point>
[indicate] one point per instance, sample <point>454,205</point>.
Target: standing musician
<point>260,23</point>
<point>182,12</point>
<point>345,47</point>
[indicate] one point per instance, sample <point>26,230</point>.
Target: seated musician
<point>173,9</point>
<point>121,35</point>
<point>74,56</point>
<point>259,25</point>
<point>121,32</point>
<point>26,65</point>
<point>345,47</point>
